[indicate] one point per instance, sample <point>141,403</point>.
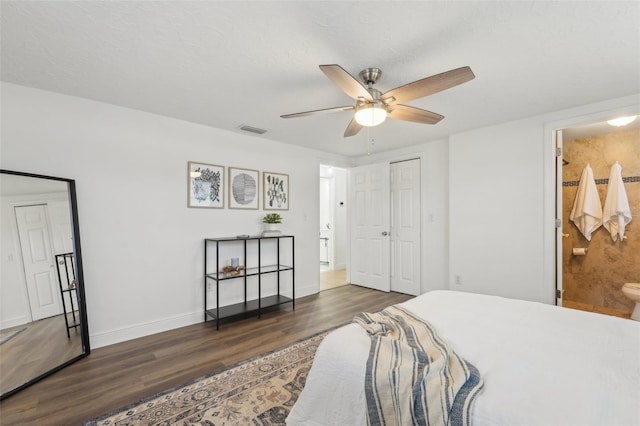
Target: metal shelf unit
<point>67,281</point>
<point>248,306</point>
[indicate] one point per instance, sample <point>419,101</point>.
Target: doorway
<point>333,227</point>
<point>591,266</point>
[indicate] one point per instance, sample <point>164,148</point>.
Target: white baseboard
<point>105,338</point>
<point>14,322</point>
<point>305,291</point>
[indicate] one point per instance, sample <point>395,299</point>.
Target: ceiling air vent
<point>252,129</point>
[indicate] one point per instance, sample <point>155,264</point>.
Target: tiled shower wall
<point>598,277</point>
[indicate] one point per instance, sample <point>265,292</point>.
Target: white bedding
<point>541,364</point>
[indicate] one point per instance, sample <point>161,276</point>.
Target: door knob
<point>385,233</point>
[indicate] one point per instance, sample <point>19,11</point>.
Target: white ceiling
<point>225,64</point>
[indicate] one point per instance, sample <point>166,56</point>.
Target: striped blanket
<point>412,376</point>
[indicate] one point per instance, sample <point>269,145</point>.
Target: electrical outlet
<point>458,279</point>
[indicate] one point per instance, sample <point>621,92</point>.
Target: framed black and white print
<point>275,187</point>
<point>243,188</point>
<point>206,185</point>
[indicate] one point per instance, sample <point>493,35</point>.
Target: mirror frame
<point>82,308</point>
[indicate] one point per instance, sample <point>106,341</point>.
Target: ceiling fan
<point>372,106</point>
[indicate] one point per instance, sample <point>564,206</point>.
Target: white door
<point>62,236</point>
<point>370,247</point>
<point>39,263</point>
<point>405,227</point>
<point>559,233</point>
<point>61,229</point>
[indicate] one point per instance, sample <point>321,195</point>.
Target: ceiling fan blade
<point>417,115</point>
<point>317,111</point>
<point>345,81</point>
<point>352,129</point>
<point>430,85</point>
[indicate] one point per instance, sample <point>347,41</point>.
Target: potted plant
<point>271,222</point>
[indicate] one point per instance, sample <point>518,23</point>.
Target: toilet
<point>632,291</point>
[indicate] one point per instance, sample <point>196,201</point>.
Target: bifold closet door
<point>370,227</point>
<point>405,227</point>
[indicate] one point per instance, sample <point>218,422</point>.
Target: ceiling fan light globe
<point>370,115</point>
<point>622,121</point>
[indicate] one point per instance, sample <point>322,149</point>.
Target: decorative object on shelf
<point>234,270</point>
<point>243,188</point>
<point>206,185</point>
<point>275,188</point>
<point>270,224</point>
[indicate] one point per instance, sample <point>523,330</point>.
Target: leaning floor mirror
<point>43,318</point>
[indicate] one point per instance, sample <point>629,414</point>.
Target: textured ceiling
<point>225,64</point>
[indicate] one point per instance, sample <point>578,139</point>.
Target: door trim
<point>559,216</point>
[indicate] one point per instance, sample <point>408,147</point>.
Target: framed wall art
<point>275,187</point>
<point>243,188</point>
<point>206,185</point>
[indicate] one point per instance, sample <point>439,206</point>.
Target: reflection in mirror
<point>43,325</point>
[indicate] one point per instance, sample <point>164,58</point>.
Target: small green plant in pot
<point>272,218</point>
<point>271,222</point>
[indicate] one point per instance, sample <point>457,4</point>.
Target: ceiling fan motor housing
<point>370,75</point>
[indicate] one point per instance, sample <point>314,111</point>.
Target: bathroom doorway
<point>333,227</point>
<point>591,266</point>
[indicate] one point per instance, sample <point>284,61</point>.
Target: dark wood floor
<point>121,374</point>
<point>23,358</point>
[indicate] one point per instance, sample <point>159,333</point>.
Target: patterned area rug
<point>259,391</point>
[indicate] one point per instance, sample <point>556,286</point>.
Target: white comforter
<point>541,364</point>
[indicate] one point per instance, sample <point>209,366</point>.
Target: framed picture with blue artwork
<point>275,188</point>
<point>206,185</point>
<point>243,188</point>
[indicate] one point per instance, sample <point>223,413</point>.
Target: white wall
<point>496,210</point>
<point>502,202</point>
<point>142,246</point>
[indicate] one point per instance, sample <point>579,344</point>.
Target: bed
<point>541,364</point>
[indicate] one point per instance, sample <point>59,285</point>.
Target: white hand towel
<point>617,213</point>
<point>587,210</point>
